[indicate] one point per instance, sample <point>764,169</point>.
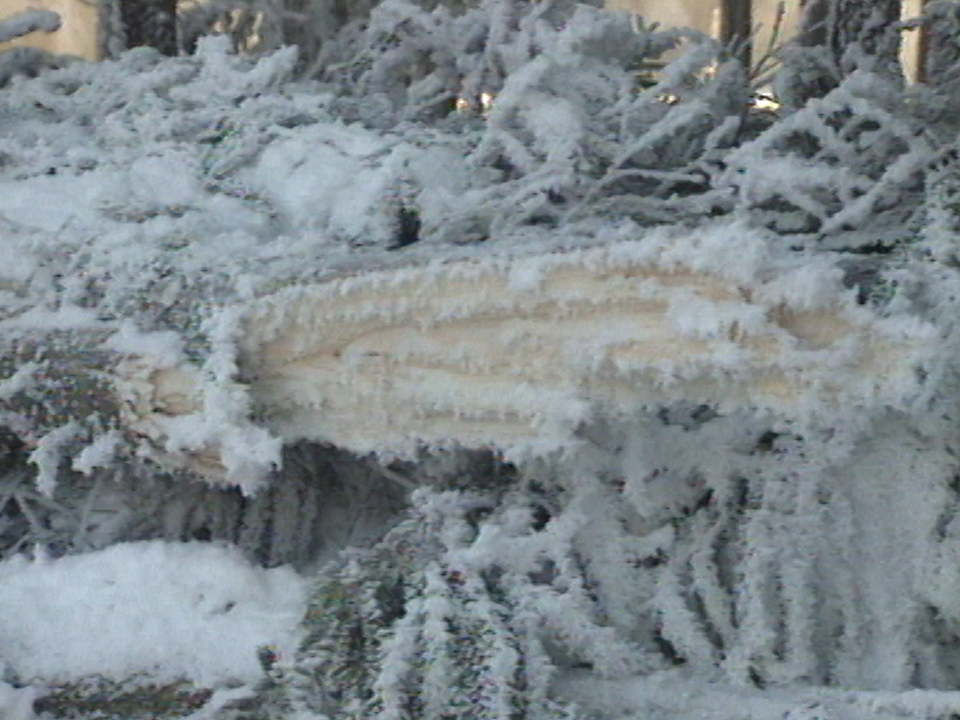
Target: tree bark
<point>736,27</point>
<point>940,45</point>
<point>858,33</point>
<point>150,23</point>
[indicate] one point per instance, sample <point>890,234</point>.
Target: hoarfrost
<point>28,21</point>
<point>731,424</point>
<point>100,453</point>
<point>48,455</point>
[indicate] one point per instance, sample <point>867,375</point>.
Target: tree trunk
<point>150,23</point>
<point>858,33</point>
<point>736,27</point>
<point>940,44</point>
<point>835,38</point>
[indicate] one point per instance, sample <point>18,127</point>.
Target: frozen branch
<point>28,21</point>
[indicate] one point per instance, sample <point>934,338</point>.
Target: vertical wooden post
<point>923,47</point>
<point>150,23</point>
<point>736,26</point>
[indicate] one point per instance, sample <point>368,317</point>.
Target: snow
<point>100,453</point>
<point>65,317</point>
<point>231,238</point>
<point>173,611</point>
<point>17,703</point>
<point>165,348</point>
<point>19,381</point>
<point>328,176</point>
<point>28,21</point>
<point>49,203</point>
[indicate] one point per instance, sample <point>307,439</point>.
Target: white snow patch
<point>196,611</point>
<point>16,703</point>
<point>51,203</point>
<point>329,175</point>
<point>65,317</point>
<point>22,379</point>
<point>526,277</point>
<point>166,180</point>
<point>98,454</point>
<point>164,348</point>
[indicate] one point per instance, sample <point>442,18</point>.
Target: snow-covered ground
<point>172,611</point>
<point>200,611</point>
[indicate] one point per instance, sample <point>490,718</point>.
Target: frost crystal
<point>672,377</point>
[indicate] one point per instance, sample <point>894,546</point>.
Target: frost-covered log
<point>517,353</point>
<point>521,351</point>
<point>264,246</point>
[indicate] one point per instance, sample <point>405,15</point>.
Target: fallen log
<point>518,353</point>
<point>511,352</point>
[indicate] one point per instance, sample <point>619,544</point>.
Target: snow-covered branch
<point>28,21</point>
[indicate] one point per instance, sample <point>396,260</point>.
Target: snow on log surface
<point>517,353</point>
<point>258,260</point>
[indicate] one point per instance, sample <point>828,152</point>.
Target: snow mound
<point>173,611</point>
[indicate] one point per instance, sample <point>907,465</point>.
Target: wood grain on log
<point>512,353</point>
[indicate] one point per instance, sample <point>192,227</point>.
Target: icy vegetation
<point>27,22</point>
<point>28,61</point>
<point>630,398</point>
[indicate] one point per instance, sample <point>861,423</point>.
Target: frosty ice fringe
<point>428,623</point>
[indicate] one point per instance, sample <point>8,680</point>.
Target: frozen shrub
<point>843,172</point>
<point>463,610</point>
